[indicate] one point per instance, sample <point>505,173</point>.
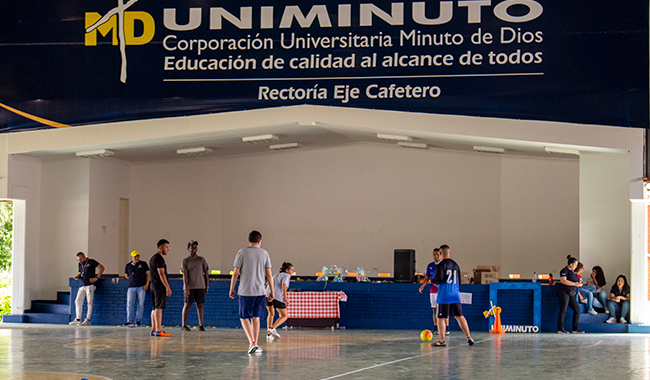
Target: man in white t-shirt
<point>254,265</point>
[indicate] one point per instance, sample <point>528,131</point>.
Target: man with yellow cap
<point>137,272</point>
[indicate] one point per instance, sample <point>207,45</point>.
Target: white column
<point>19,301</point>
<point>639,305</point>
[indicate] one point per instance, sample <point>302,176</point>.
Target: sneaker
<point>577,331</point>
<point>127,324</point>
<point>563,331</point>
<point>611,320</point>
<point>201,328</point>
<point>137,324</point>
<point>623,320</point>
<point>470,341</point>
<point>447,332</point>
<point>274,332</point>
<point>584,300</point>
<point>253,348</point>
<point>440,343</point>
<point>161,333</point>
<point>86,322</point>
<point>153,333</point>
<point>75,322</point>
<point>606,310</point>
<point>592,312</point>
<point>185,328</point>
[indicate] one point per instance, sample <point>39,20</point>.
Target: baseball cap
<point>191,243</point>
<point>135,253</point>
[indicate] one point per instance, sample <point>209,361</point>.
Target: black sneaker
<point>201,328</point>
<point>137,323</point>
<point>470,341</point>
<point>563,331</point>
<point>577,331</point>
<point>128,324</point>
<point>185,328</point>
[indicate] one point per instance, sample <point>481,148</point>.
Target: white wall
<point>25,184</point>
<point>605,213</point>
<point>539,214</point>
<point>353,205</point>
<point>109,181</point>
<point>177,201</point>
<point>63,222</point>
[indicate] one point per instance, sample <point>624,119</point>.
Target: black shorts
<point>449,310</point>
<point>158,298</point>
<point>276,304</point>
<point>196,295</point>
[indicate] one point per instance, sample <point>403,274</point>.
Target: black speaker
<point>404,267</point>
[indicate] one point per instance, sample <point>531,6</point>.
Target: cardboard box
<point>487,277</point>
<point>486,271</point>
<point>465,277</point>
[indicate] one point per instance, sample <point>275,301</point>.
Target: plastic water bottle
<point>534,276</point>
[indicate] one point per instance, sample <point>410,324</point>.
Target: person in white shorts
<point>433,294</point>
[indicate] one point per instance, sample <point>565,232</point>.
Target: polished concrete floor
<point>99,352</point>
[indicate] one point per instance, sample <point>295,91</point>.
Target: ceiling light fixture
<point>191,151</point>
<point>260,138</point>
<point>393,137</point>
<point>488,149</point>
<point>95,153</point>
<point>551,149</point>
<point>412,145</point>
<point>284,146</point>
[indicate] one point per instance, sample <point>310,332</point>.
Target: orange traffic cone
<point>497,322</point>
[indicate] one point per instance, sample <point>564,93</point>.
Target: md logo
<point>121,25</point>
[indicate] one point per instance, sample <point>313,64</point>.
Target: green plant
<point>5,293</point>
<point>6,234</point>
<point>6,240</point>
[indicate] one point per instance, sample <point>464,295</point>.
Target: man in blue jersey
<point>433,294</point>
<point>448,280</point>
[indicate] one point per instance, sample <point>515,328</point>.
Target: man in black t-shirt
<point>160,289</point>
<point>137,272</point>
<point>88,277</point>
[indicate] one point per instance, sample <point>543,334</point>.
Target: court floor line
<point>395,361</point>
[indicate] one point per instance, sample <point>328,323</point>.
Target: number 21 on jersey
<point>452,276</point>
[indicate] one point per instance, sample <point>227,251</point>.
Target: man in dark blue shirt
<point>88,277</point>
<point>433,295</point>
<point>448,280</point>
<point>137,272</point>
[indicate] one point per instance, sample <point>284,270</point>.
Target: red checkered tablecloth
<point>315,304</point>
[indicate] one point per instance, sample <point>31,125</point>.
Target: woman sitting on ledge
<point>619,300</point>
<point>596,284</point>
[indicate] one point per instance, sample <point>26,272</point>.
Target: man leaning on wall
<point>88,277</point>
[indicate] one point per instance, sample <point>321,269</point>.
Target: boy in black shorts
<point>159,287</point>
<point>195,283</point>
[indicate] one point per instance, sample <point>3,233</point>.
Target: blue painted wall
<point>369,305</point>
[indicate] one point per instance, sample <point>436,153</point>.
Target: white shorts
<point>434,299</point>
